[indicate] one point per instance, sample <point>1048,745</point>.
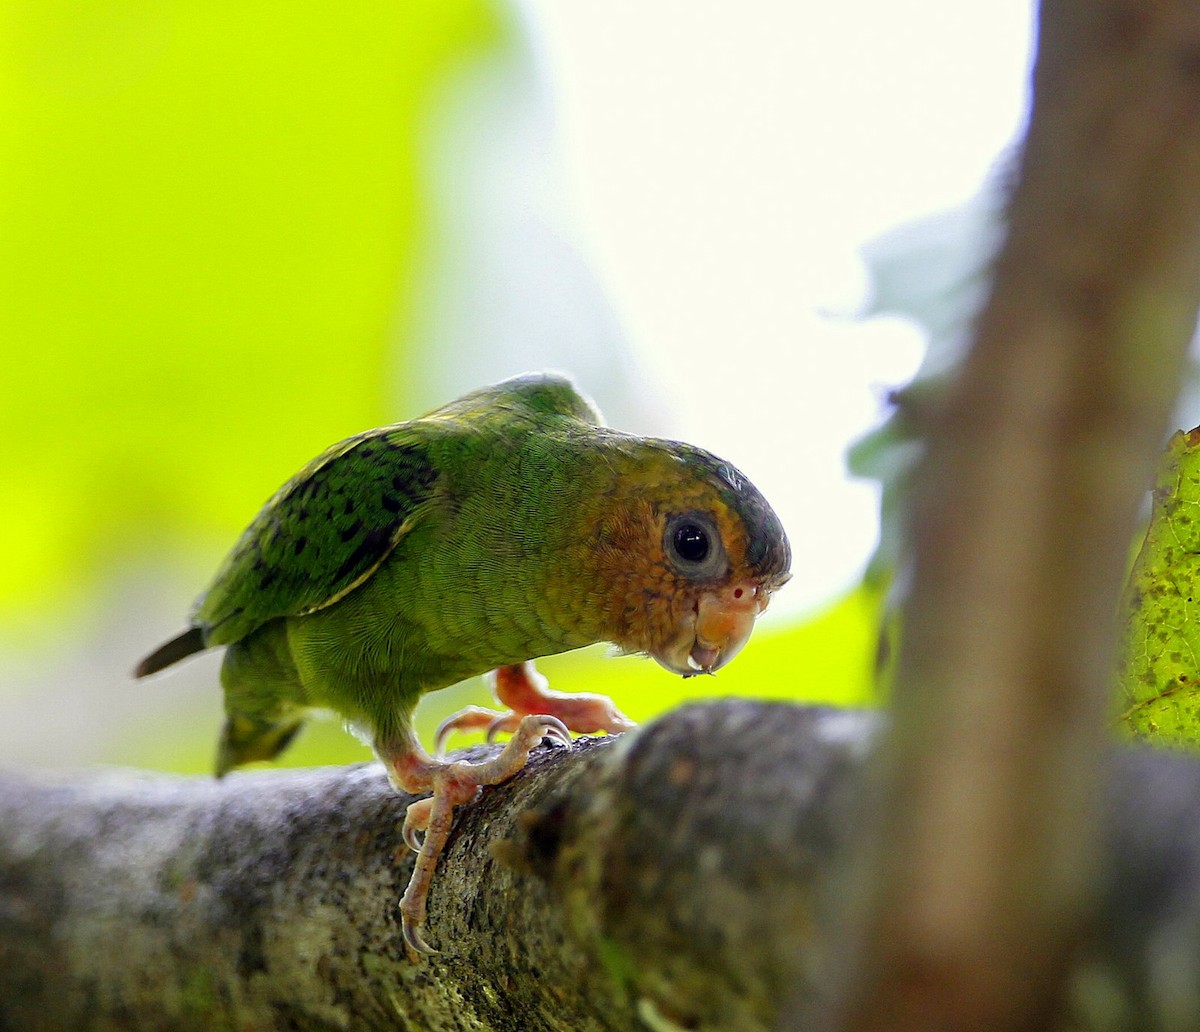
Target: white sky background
<point>726,163</point>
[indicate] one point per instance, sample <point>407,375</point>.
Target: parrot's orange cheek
<point>715,631</point>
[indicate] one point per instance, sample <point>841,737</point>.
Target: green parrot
<point>507,525</point>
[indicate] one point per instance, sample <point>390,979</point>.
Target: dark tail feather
<point>191,640</point>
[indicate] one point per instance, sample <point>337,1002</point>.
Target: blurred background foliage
<point>236,233</point>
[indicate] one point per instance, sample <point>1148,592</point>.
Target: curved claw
<point>440,735</point>
<point>505,723</point>
<point>412,837</point>
<point>470,718</point>
<point>414,940</point>
<point>555,730</point>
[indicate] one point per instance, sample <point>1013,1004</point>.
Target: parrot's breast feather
<point>322,534</point>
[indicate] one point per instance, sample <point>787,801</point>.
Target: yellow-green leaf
<point>1159,673</point>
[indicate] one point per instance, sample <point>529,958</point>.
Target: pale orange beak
<point>719,627</point>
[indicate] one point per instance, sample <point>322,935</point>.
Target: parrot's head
<point>693,552</point>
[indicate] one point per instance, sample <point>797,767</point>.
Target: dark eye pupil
<point>691,543</point>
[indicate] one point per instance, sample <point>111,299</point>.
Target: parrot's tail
<point>191,640</point>
<point>244,740</point>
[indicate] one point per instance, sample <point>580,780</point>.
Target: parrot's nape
<point>507,525</point>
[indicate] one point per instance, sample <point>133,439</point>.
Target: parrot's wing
<point>322,534</point>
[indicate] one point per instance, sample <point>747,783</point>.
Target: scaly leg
<point>524,691</point>
<point>412,771</point>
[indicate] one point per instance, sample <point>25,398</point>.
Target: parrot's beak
<point>722,621</point>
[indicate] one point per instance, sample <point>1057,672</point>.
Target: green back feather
<point>322,534</point>
<point>329,528</point>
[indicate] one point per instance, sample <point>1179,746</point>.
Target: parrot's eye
<point>693,545</point>
<point>691,542</point>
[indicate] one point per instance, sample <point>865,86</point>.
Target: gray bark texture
<point>672,878</point>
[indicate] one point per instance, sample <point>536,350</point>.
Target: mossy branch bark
<point>666,880</point>
<point>658,877</point>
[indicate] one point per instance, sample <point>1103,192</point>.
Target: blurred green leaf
<point>212,217</point>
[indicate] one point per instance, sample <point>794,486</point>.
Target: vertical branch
<point>979,867</point>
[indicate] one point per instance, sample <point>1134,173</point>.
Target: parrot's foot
<point>524,691</point>
<point>452,784</point>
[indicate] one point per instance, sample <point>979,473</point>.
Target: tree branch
<point>662,881</point>
<point>659,877</point>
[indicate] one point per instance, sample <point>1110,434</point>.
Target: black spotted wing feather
<point>322,534</point>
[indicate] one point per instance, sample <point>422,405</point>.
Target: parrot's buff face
<point>689,572</point>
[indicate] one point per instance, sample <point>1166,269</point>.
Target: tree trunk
<point>980,846</point>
